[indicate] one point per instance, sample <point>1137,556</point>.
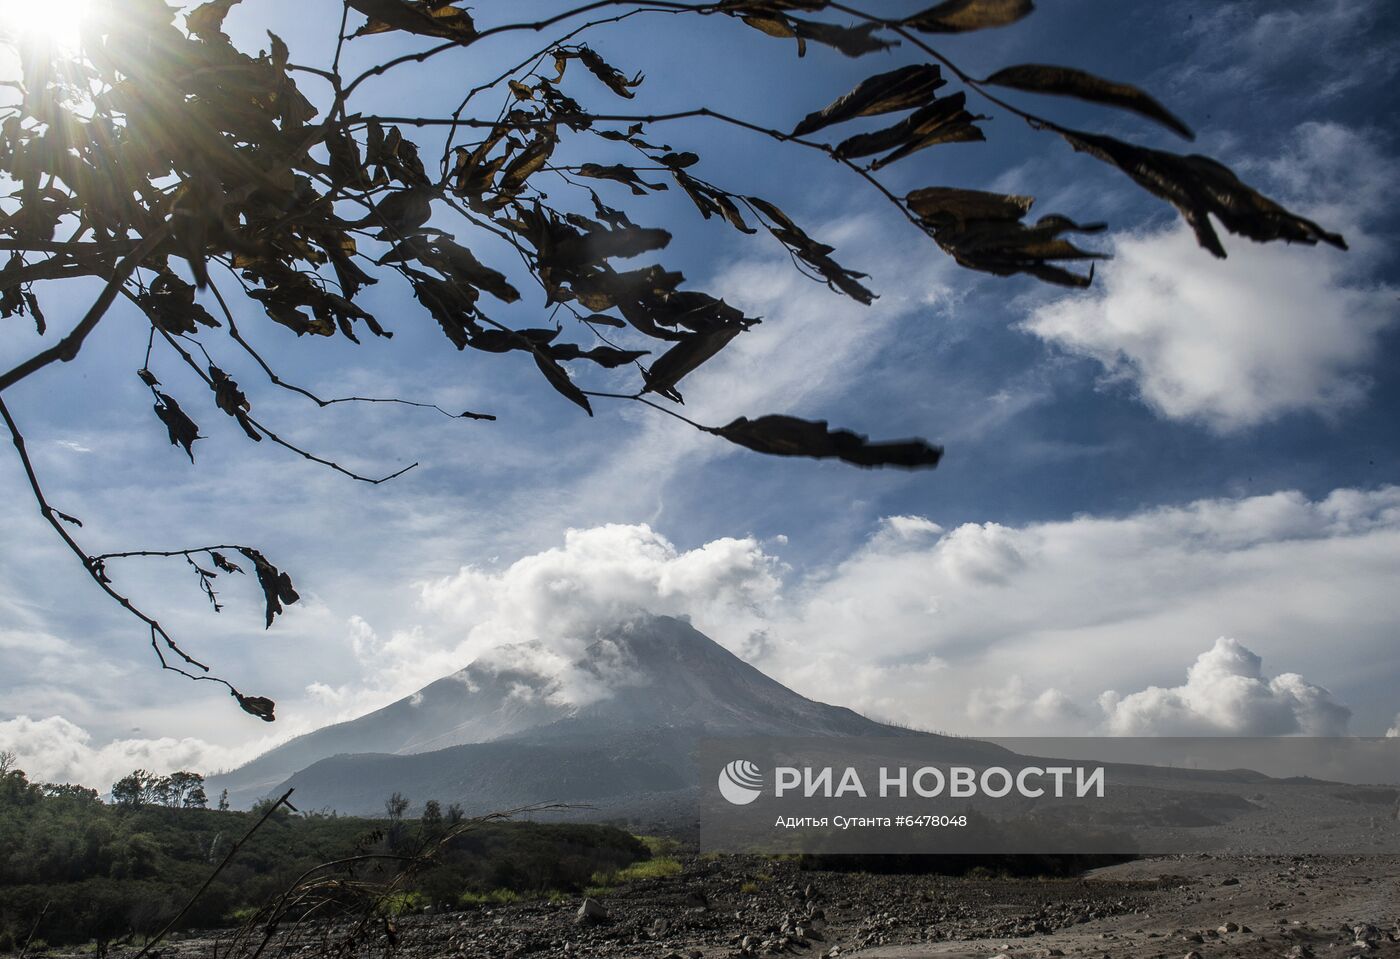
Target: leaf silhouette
<point>960,16</point>
<point>559,379</point>
<point>619,173</point>
<point>944,121</point>
<point>983,231</point>
<point>1200,187</point>
<point>276,585</point>
<point>206,21</point>
<point>259,706</point>
<point>613,78</point>
<point>685,357</point>
<point>424,17</point>
<point>183,430</point>
<point>1066,81</point>
<point>902,89</point>
<point>852,41</point>
<point>229,398</point>
<point>780,435</point>
<point>814,254</point>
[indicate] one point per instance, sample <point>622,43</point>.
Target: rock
<point>1228,927</point>
<point>591,910</point>
<point>1232,881</point>
<point>1193,954</point>
<point>695,899</point>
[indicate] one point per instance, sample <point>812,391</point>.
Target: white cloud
<point>957,629</point>
<point>929,630</point>
<point>1272,330</point>
<point>1011,705</point>
<point>545,608</point>
<point>53,749</point>
<point>985,629</point>
<point>1319,50</point>
<point>1227,693</point>
<point>1394,731</point>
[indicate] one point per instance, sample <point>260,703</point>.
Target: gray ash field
<point>737,906</point>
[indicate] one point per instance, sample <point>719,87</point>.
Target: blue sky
<point>1165,504</point>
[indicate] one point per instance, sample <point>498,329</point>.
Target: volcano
<point>493,736</point>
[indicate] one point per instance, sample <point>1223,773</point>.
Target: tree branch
<point>67,348</point>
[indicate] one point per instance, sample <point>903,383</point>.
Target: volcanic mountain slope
<point>490,738</point>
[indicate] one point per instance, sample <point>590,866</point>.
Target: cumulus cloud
<point>1012,706</point>
<point>54,749</point>
<point>1272,330</point>
<point>962,629</point>
<point>540,612</point>
<point>1394,731</point>
<point>910,626</point>
<point>1226,692</point>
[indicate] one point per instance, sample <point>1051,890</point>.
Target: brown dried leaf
<point>960,16</point>
<point>779,435</point>
<point>1199,187</point>
<point>1066,81</point>
<point>902,89</point>
<point>276,585</point>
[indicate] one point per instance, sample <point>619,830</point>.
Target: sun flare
<point>43,21</point>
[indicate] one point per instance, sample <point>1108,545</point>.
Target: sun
<point>53,22</point>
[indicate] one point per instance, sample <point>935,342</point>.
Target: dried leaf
<point>206,21</point>
<point>685,357</point>
<point>222,562</point>
<point>960,16</point>
<point>944,121</point>
<point>614,79</point>
<point>814,254</point>
<point>852,41</point>
<point>983,231</point>
<point>259,706</point>
<point>429,18</point>
<point>229,398</point>
<point>619,173</point>
<point>559,379</point>
<point>789,436</point>
<point>1066,81</point>
<point>276,585</point>
<point>183,430</point>
<point>902,89</point>
<point>1199,187</point>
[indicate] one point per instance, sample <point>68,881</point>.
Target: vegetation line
<point>233,851</point>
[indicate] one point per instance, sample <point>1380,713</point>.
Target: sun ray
<point>44,21</point>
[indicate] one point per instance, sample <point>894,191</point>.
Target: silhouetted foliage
<point>159,160</point>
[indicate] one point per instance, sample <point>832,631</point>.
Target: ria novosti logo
<point>740,782</point>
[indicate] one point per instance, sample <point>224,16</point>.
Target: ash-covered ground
<point>1197,907</point>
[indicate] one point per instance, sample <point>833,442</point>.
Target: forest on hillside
<point>75,869</point>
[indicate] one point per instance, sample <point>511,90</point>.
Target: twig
<point>67,348</point>
<point>94,569</point>
<point>35,928</point>
<point>233,850</point>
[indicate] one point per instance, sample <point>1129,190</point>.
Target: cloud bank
<point>53,749</point>
<point>984,629</point>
